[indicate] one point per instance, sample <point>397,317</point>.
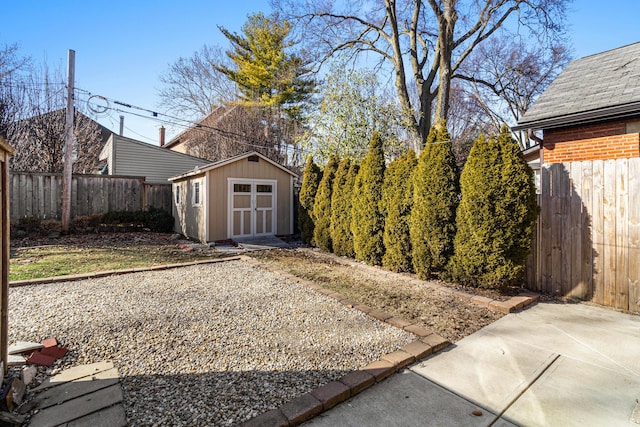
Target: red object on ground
<point>56,352</point>
<point>50,342</point>
<point>38,358</point>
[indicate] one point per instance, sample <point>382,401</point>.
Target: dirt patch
<point>447,315</point>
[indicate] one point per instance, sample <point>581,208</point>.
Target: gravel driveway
<point>212,344</point>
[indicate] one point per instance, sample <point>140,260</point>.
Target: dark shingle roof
<point>600,86</point>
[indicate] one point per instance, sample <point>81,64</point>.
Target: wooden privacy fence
<point>587,243</point>
<point>40,195</point>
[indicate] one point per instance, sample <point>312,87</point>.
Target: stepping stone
<point>24,347</point>
<point>77,408</point>
<point>74,373</point>
<point>110,417</point>
<point>71,390</point>
<point>16,360</point>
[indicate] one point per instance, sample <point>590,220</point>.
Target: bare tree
<point>11,93</point>
<point>424,42</point>
<point>38,132</point>
<point>194,87</point>
<point>507,76</point>
<point>467,120</point>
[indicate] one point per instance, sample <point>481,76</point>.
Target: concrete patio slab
<point>405,400</point>
<point>550,365</point>
<point>572,392</point>
<point>488,371</point>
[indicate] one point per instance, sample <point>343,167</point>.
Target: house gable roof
<point>221,163</point>
<point>210,120</point>
<point>597,87</point>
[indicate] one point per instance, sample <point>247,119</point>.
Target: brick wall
<point>600,141</point>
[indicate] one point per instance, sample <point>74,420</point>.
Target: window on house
<point>197,193</point>
<point>263,188</point>
<point>178,195</point>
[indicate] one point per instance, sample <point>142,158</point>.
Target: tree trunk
<point>446,23</point>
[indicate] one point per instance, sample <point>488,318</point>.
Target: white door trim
<point>253,210</point>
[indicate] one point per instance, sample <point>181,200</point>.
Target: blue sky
<point>122,47</point>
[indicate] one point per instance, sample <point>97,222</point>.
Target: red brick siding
<point>594,142</point>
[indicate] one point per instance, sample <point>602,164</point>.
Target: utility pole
<point>68,143</point>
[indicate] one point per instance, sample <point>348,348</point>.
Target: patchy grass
<point>447,315</point>
<point>89,254</point>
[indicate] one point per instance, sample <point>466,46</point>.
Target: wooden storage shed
<point>244,196</point>
<point>5,152</point>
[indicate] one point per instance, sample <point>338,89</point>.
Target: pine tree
<point>398,196</point>
<point>322,206</point>
<point>435,199</point>
<point>367,222</point>
<point>341,199</point>
<point>497,214</point>
<point>310,181</point>
<point>266,71</point>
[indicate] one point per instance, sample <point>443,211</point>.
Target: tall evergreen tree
<point>341,198</point>
<point>497,214</point>
<point>266,71</point>
<point>398,197</point>
<point>322,206</point>
<point>310,181</point>
<point>435,199</point>
<point>367,222</point>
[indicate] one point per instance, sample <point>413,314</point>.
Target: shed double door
<point>252,208</point>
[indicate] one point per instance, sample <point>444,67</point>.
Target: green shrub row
<point>154,219</point>
<point>420,215</point>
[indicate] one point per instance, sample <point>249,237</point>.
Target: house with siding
<point>244,196</point>
<point>126,156</point>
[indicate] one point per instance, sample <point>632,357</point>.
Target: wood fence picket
<point>587,241</point>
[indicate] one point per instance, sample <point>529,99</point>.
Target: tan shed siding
<point>155,163</point>
<point>244,169</point>
<point>189,219</point>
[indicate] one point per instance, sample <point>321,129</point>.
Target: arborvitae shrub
<point>310,180</point>
<point>367,222</point>
<point>435,199</point>
<point>341,197</point>
<point>322,206</point>
<point>497,215</point>
<point>397,196</point>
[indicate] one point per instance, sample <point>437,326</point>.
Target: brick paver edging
<point>74,277</point>
<point>509,306</point>
<point>309,405</point>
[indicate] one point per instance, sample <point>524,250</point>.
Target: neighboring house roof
<point>597,87</point>
<point>209,120</point>
<point>126,156</point>
<point>105,133</point>
<point>215,165</point>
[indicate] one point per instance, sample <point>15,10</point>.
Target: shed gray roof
<point>601,86</point>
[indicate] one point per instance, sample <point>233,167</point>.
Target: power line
<point>176,121</point>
